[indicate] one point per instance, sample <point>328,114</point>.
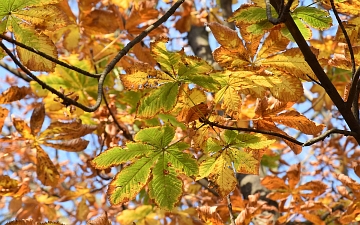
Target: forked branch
<point>68,101</point>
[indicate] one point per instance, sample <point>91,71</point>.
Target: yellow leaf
<point>11,187</point>
<point>209,215</point>
<point>45,168</point>
<point>223,177</point>
<point>23,129</point>
<point>273,44</point>
<point>226,37</point>
<point>82,210</point>
<point>292,61</point>
<point>41,42</point>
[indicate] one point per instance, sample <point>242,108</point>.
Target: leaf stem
<point>229,205</point>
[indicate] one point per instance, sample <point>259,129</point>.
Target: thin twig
<point>205,121</point>
<point>68,101</point>
<point>327,133</point>
<point>232,219</point>
<point>15,72</point>
<point>46,56</point>
<point>346,37</point>
<point>353,97</point>
<point>125,131</point>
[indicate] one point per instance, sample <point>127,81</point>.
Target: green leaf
<point>259,28</point>
<point>248,15</point>
<point>128,182</point>
<point>172,120</point>
<point>169,61</point>
<point>206,167</point>
<point>181,160</point>
<point>161,99</point>
<point>244,162</point>
<point>159,137</point>
<point>204,81</point>
<point>116,155</point>
<point>212,145</point>
<point>317,18</point>
<point>252,141</point>
<point>304,29</point>
<point>230,136</point>
<point>193,65</point>
<point>165,187</point>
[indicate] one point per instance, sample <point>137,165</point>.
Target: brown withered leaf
<point>37,119</point>
<point>356,169</point>
<point>100,21</point>
<point>293,175</point>
<point>74,145</point>
<point>14,93</point>
<point>21,222</point>
<point>270,126</point>
<point>315,219</point>
<point>101,220</point>
<point>298,121</point>
<point>3,114</point>
<point>312,188</point>
<point>65,131</point>
<point>209,215</point>
<point>196,112</point>
<point>274,183</point>
<point>45,168</point>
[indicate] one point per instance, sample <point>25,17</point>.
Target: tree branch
<point>213,124</point>
<point>68,101</point>
<point>15,72</point>
<point>312,61</point>
<point>232,219</point>
<point>327,133</point>
<point>46,56</point>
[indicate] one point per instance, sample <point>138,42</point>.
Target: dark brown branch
<point>327,134</point>
<point>205,121</point>
<point>46,56</point>
<point>312,61</point>
<point>15,72</point>
<point>282,11</point>
<point>68,101</point>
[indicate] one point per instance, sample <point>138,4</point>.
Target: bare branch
<point>327,134</point>
<point>15,72</point>
<point>232,219</point>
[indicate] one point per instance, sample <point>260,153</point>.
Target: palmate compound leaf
<point>152,147</point>
<point>219,163</point>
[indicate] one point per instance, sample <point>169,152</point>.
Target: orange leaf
<point>274,183</point>
<point>37,119</point>
<point>14,93</point>
<point>196,112</point>
<point>317,188</point>
<point>3,114</point>
<point>293,175</point>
